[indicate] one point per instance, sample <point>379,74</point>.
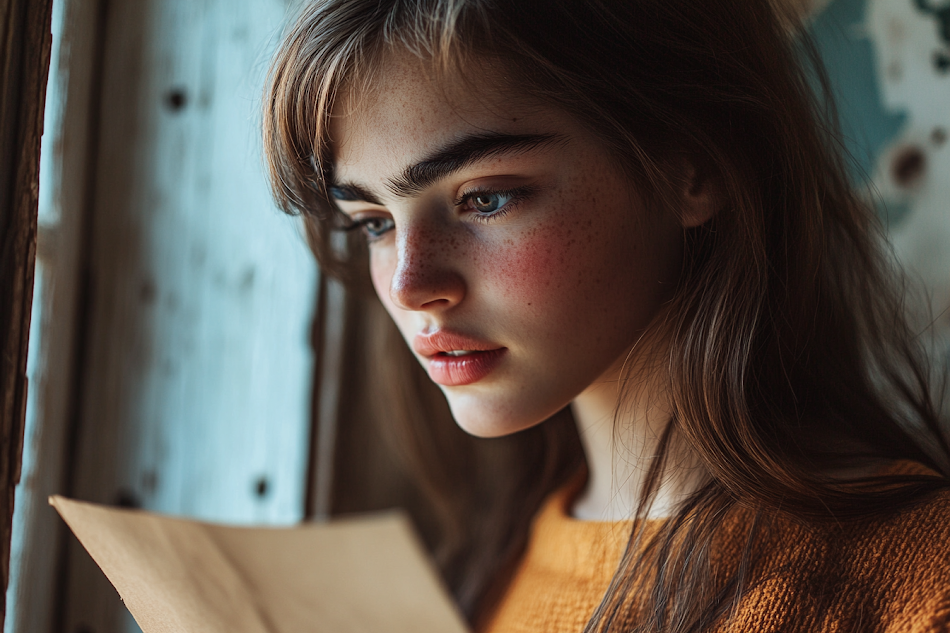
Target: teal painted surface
<point>848,53</point>
<point>889,65</point>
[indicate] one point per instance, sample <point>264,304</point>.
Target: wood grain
<point>25,42</point>
<point>196,371</point>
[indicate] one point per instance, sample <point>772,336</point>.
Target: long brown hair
<point>789,354</point>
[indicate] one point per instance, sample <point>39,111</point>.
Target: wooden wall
<point>173,366</point>
<point>64,173</point>
<point>177,374</point>
<point>25,43</point>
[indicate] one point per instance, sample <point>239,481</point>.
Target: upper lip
<point>431,343</point>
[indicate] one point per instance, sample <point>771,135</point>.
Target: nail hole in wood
<point>176,99</point>
<point>908,166</point>
<point>942,62</point>
<point>938,136</point>
<point>125,498</point>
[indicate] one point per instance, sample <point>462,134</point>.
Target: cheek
<point>555,266</point>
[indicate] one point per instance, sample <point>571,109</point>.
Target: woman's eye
<point>488,205</point>
<point>376,227</point>
<point>489,202</point>
<point>373,227</point>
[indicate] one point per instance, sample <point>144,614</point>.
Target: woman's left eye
<point>489,202</point>
<point>492,204</point>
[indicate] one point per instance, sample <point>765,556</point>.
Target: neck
<point>620,445</point>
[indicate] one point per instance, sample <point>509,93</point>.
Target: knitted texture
<point>889,575</point>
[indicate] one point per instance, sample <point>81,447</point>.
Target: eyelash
<point>355,225</point>
<point>517,195</point>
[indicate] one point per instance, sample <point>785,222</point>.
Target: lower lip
<point>455,371</point>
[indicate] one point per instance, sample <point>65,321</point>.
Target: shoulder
<point>890,572</point>
<point>913,532</point>
<point>912,544</point>
<point>903,561</point>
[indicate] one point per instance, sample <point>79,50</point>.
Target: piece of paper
<point>366,575</point>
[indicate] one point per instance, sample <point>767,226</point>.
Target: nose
<point>426,276</point>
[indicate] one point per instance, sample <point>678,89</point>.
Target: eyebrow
<point>447,160</point>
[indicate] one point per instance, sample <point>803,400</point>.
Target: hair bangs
<point>332,52</point>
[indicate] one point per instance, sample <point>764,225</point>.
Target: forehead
<point>411,109</point>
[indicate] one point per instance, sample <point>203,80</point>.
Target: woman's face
<point>516,259</point>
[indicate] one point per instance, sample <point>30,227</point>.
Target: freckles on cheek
<point>577,254</point>
<point>541,267</point>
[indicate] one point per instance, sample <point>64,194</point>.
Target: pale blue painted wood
<point>890,63</point>
<point>25,501</point>
<point>37,533</point>
<point>198,381</point>
<point>203,290</point>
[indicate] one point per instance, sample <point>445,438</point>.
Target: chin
<point>483,420</point>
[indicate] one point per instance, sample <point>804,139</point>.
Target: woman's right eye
<point>373,227</point>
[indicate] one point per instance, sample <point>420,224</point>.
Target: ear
<point>702,194</point>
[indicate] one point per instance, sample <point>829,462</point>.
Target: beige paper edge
<point>352,576</point>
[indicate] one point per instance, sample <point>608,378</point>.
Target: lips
<point>454,360</point>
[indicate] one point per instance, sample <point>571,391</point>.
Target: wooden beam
<point>193,366</point>
<point>25,44</point>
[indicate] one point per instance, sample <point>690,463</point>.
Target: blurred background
<point>187,357</point>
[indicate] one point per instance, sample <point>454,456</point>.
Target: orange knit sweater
<point>891,575</point>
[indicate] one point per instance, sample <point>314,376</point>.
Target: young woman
<point>632,216</point>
